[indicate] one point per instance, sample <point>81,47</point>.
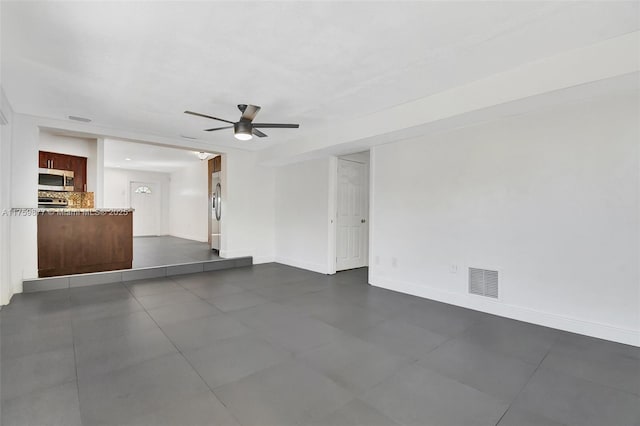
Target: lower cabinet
<point>84,242</point>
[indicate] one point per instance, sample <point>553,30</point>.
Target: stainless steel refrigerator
<point>216,210</point>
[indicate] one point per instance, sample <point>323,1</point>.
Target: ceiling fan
<point>245,128</point>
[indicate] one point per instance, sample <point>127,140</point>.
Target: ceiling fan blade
<point>218,128</point>
<point>276,125</point>
<point>250,112</point>
<point>258,133</point>
<point>208,116</point>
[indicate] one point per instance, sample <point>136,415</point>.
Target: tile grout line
<point>525,385</point>
<point>573,376</point>
<point>185,288</point>
<point>182,354</point>
<point>414,361</point>
<point>296,357</point>
<point>75,357</point>
<point>456,336</point>
<point>252,332</point>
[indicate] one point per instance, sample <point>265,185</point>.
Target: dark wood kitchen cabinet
<point>217,163</point>
<point>44,159</point>
<point>78,165</point>
<point>52,160</point>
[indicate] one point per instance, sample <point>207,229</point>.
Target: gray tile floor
<point>274,345</point>
<point>168,250</point>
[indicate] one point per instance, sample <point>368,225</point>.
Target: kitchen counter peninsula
<point>77,241</point>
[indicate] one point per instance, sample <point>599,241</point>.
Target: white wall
<point>247,225</point>
<point>80,147</point>
<point>550,199</point>
<point>303,222</point>
<point>189,192</point>
<point>24,194</point>
<point>117,190</point>
<point>6,133</point>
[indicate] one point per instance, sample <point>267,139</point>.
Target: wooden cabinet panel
<point>53,160</point>
<point>217,163</point>
<point>43,159</point>
<point>75,244</point>
<point>79,167</point>
<point>61,162</point>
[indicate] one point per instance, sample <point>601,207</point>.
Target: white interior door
<point>145,199</point>
<point>352,228</point>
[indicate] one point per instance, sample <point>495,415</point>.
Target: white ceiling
<point>139,156</point>
<point>139,65</point>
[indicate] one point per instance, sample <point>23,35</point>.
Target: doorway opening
<point>146,202</point>
<point>352,211</point>
<point>167,189</point>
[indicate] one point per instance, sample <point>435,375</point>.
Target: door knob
<point>363,220</point>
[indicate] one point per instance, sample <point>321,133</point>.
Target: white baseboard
<point>243,253</point>
<point>315,267</point>
<point>189,237</point>
<point>547,319</point>
<point>263,259</point>
<point>235,253</point>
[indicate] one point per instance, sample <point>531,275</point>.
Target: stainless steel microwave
<point>55,180</point>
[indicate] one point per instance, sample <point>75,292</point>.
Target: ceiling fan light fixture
<point>245,128</point>
<point>242,130</point>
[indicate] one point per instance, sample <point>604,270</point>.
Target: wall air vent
<point>483,282</point>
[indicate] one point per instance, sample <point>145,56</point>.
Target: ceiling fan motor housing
<point>243,128</point>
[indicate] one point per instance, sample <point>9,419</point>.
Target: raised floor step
<point>95,278</point>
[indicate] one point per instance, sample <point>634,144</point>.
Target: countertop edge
<point>34,211</point>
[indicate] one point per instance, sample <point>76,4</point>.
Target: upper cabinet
<point>78,165</point>
<point>217,163</point>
